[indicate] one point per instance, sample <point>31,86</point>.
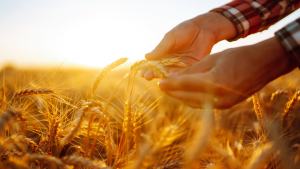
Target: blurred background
<point>94,33</point>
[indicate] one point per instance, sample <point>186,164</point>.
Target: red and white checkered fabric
<point>251,16</point>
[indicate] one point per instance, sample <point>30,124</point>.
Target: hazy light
<point>95,33</point>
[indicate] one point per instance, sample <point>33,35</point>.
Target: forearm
<point>274,57</point>
<point>253,16</point>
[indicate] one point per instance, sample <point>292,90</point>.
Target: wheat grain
<point>127,129</point>
<point>171,62</point>
<point>289,107</point>
<point>136,64</point>
<point>30,92</point>
<point>258,112</point>
<point>137,130</point>
<point>107,69</point>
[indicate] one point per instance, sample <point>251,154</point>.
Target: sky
<point>94,33</point>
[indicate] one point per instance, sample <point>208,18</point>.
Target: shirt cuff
<point>289,37</point>
<point>243,15</point>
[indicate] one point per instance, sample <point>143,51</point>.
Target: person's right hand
<point>191,40</point>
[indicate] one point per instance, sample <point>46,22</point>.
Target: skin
<point>191,40</point>
<point>222,79</point>
<point>229,77</point>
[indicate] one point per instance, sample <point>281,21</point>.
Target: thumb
<point>163,47</point>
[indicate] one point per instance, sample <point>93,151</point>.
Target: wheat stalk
<point>258,112</point>
<point>289,107</point>
<point>85,162</point>
<point>107,69</point>
<point>105,113</point>
<point>77,125</point>
<point>30,92</point>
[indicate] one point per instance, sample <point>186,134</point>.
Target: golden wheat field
<point>67,118</point>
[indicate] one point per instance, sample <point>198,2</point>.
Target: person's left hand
<point>229,77</point>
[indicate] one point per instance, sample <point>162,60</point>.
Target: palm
<point>186,41</point>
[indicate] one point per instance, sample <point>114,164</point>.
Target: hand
<point>191,40</point>
<point>229,77</point>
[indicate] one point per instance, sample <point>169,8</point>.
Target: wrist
<point>274,56</point>
<point>219,25</point>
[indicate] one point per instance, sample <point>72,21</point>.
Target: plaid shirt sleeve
<point>251,16</point>
<point>289,37</point>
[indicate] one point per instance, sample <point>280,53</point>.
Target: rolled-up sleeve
<point>289,37</point>
<point>251,16</point>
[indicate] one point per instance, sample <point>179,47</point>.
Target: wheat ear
<point>29,92</point>
<point>108,68</point>
<point>6,117</point>
<point>52,136</point>
<point>28,141</point>
<point>171,62</point>
<point>82,161</point>
<point>138,63</point>
<point>153,66</point>
<point>276,94</point>
<point>258,112</point>
<point>48,159</point>
<point>289,107</point>
<point>260,155</point>
<point>77,125</point>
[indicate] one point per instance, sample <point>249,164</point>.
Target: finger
<point>149,75</point>
<point>163,47</point>
<point>194,99</point>
<point>190,82</point>
<point>143,71</point>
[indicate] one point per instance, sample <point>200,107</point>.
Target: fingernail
<point>142,74</point>
<point>160,85</point>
